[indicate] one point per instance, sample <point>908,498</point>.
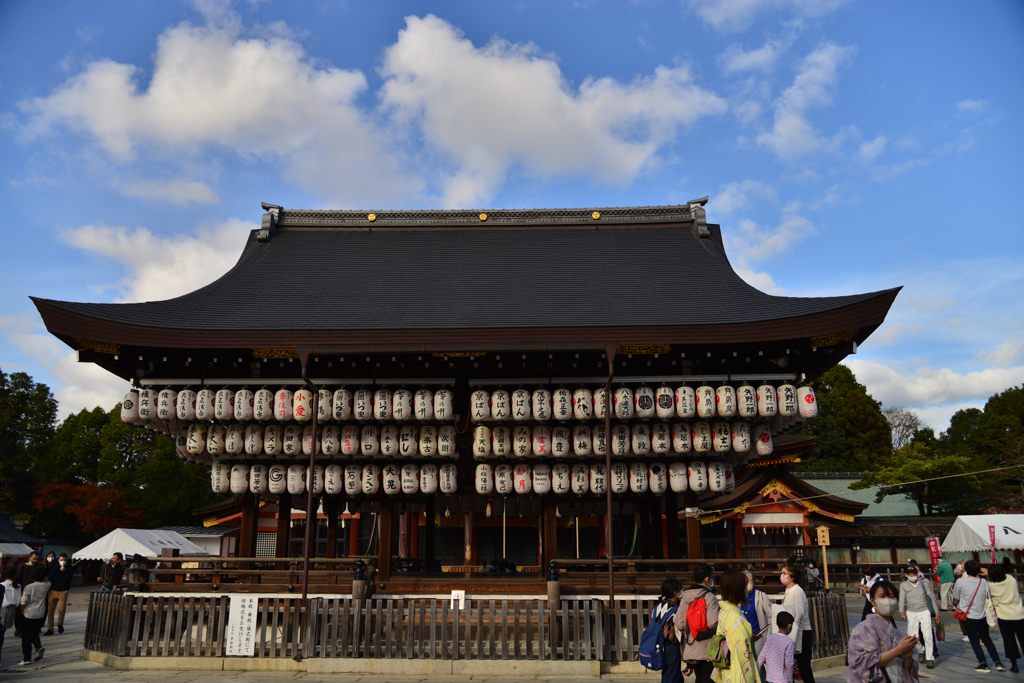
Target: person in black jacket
<point>113,572</point>
<point>60,577</point>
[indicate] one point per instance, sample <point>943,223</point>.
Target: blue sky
<point>846,146</point>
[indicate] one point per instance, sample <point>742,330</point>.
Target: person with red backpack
<point>696,620</point>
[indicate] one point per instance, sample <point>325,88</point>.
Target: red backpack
<point>697,616</point>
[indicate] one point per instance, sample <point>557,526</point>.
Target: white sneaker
<point>966,639</point>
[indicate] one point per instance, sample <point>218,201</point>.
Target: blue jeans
<point>977,630</point>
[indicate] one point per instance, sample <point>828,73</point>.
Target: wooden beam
<point>428,539</point>
<point>384,548</point>
<point>284,518</point>
<point>331,509</point>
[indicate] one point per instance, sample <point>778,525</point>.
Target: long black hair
<point>12,574</point>
<point>669,588</point>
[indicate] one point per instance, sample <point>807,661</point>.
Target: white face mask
<point>63,562</point>
<point>912,579</point>
<point>886,606</point>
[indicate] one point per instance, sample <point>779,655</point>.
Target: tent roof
<point>970,533</point>
<point>14,550</point>
<point>145,542</point>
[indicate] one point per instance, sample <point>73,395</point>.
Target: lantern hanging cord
<point>701,513</point>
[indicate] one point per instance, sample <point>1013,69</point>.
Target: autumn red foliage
<point>98,508</point>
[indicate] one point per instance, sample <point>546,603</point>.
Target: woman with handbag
<point>1009,612</point>
<point>732,649</point>
<point>969,595</point>
<point>877,651</point>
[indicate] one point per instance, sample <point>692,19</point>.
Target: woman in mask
<point>877,651</point>
<point>801,634</point>
<point>758,612</point>
<point>50,560</point>
<point>867,580</point>
<point>1010,612</point>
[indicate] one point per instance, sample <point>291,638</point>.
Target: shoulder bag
<point>960,614</point>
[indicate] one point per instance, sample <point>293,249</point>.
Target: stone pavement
<point>62,662</point>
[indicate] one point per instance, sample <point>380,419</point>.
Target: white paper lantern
<point>205,404</point>
<point>324,406</point>
<point>258,479</point>
<point>263,405</point>
<point>186,405</point>
<point>334,479</point>
<point>766,401</point>
<point>641,438</point>
<point>561,479</point>
<point>541,404</point>
<point>253,439</point>
<point>580,479</point>
<point>664,403</point>
<point>599,440</point>
<point>619,479</point>
<point>560,441</point>
<point>447,478</point>
<point>167,404</point>
<point>740,437</point>
<point>446,446</point>
<point>148,399</point>
<point>582,403</point>
<point>342,405</point>
<point>701,437</point>
<point>198,435</point>
<point>401,405</point>
<point>369,440</point>
<point>677,477</point>
<point>500,402</point>
<point>716,476</point>
<point>721,437</point>
<point>428,478</point>
<point>370,479</point>
<point>428,441</point>
<point>523,479</point>
<point>423,404</point>
<point>521,405</point>
<point>730,477</point>
<point>443,409</point>
<point>481,441</point>
<point>698,476</point>
<point>392,479</point>
<point>277,480</point>
<point>243,405</point>
<point>362,404</point>
<point>661,438</point>
<point>643,402</point>
<point>765,446</point>
<point>581,440</point>
<point>283,405</point>
<point>353,480</point>
<point>601,403</point>
<point>788,406</point>
<point>350,440</point>
<point>296,477</point>
<point>541,440</point>
<point>215,439</point>
<point>309,440</point>
<point>220,477</point>
<point>291,442</point>
<point>807,402</point>
<point>541,478</point>
<point>408,441</point>
<point>382,405</point>
<point>130,408</point>
<point>318,479</point>
<point>331,440</point>
<point>389,438</point>
<point>235,438</point>
<point>620,439</point>
<point>561,404</point>
<point>504,480</point>
<point>521,441</point>
<point>686,402</point>
<point>705,397</point>
<point>657,478</point>
<point>623,403</point>
<point>484,479</point>
<point>598,480</point>
<point>224,406</point>
<point>725,400</point>
<point>479,405</point>
<point>638,478</point>
<point>410,479</point>
<point>746,401</point>
<point>273,439</point>
<point>501,441</point>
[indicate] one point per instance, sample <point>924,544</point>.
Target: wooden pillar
<point>250,520</point>
<point>384,548</point>
<point>331,509</point>
<point>655,534</point>
<point>664,537</point>
<point>353,536</point>
<point>672,528</point>
<point>468,538</point>
<point>540,540</point>
<point>550,531</point>
<point>403,535</point>
<point>693,548</point>
<point>737,534</point>
<point>414,535</point>
<point>644,533</point>
<point>602,542</point>
<point>284,518</point>
<point>428,537</point>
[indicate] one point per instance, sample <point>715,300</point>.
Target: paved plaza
<point>62,661</point>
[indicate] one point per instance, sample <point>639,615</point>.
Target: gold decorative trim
<point>459,354</point>
<point>642,349</point>
<point>596,215</point>
<point>274,353</point>
<point>835,337</point>
<point>371,217</point>
<point>98,347</point>
<point>785,459</point>
<point>483,216</point>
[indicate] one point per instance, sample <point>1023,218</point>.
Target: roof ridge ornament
<point>269,226</point>
<point>700,222</point>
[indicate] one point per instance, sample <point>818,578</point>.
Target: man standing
<point>917,606</point>
<point>60,577</point>
<point>697,628</point>
<point>944,570</point>
<point>26,569</point>
<point>113,572</point>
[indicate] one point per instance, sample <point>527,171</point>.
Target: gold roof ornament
<point>372,217</point>
<point>596,215</point>
<point>483,216</point>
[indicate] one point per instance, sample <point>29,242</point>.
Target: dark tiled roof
<point>458,276</point>
<point>9,533</point>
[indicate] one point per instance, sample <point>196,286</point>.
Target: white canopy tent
<point>129,542</point>
<point>972,533</point>
<point>14,550</point>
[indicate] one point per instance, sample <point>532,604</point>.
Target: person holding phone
<point>877,651</point>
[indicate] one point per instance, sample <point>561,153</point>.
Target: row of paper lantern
<point>409,479</point>
<point>284,405</point>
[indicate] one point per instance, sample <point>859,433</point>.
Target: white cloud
<point>870,150</point>
<point>737,60</point>
<point>748,243</point>
<point>1004,355</point>
<point>735,195</point>
<point>748,111</point>
<point>176,191</point>
<point>158,268</point>
<point>792,135</point>
<point>929,386</point>
<point>486,109</point>
<point>971,106</point>
<point>729,16</point>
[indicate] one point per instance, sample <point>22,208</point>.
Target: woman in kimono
<point>878,652</point>
<point>737,631</point>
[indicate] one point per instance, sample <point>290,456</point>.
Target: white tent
<point>973,533</point>
<point>145,542</point>
<point>14,550</point>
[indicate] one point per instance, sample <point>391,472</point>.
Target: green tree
<point>998,441</point>
<point>28,414</point>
